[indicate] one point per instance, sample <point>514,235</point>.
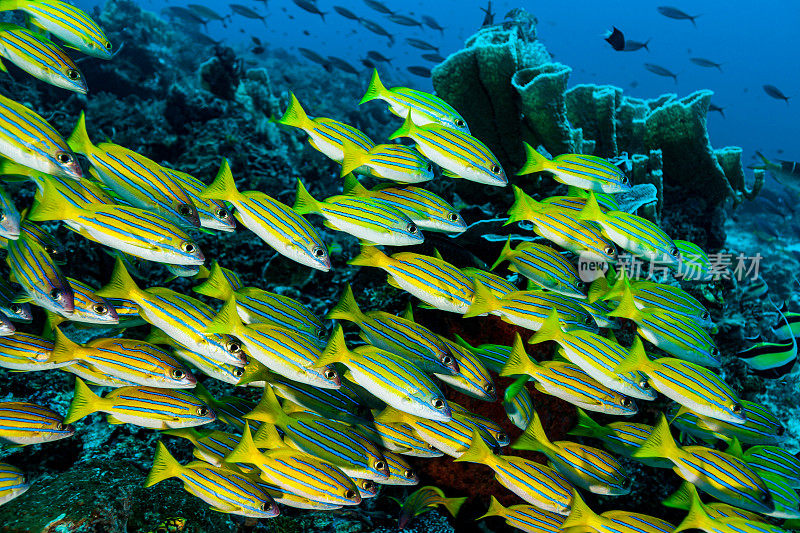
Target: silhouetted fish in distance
<point>775,93</point>
<point>702,62</point>
<point>661,71</point>
<point>677,14</point>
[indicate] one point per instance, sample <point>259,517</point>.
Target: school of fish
<point>336,420</point>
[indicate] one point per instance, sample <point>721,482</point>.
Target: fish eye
<point>460,123</point>
<point>706,315</point>
<point>64,158</point>
<point>100,309</point>
<point>674,252</point>
<point>184,209</point>
<point>380,465</point>
<point>368,485</point>
<point>233,346</point>
<point>588,321</point>
<point>495,169</point>
<point>202,411</point>
<point>781,430</point>
<point>109,46</point>
<point>409,474</point>
<point>15,308</point>
<point>56,294</point>
<point>609,250</point>
<point>715,351</point>
<point>644,384</point>
<point>624,180</point>
<point>580,284</point>
<point>447,360</point>
<point>188,247</point>
<point>238,372</point>
<point>452,217</point>
<point>489,388</point>
<point>737,408</point>
<point>429,168</point>
<point>221,213</point>
<point>330,373</point>
<point>73,74</point>
<point>318,252</point>
<point>349,494</point>
<point>60,427</point>
<point>178,374</point>
<point>412,228</point>
<point>626,402</point>
<point>266,506</point>
<point>438,403</point>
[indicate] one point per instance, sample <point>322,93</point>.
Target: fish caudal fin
<point>227,321</point>
<point>353,187</point>
<point>84,402</point>
<point>495,509</point>
<point>406,130</point>
<point>483,301</point>
<point>522,208</point>
<point>223,187</point>
<point>505,253</point>
<point>519,362</point>
<point>534,161</point>
<point>304,203</point>
<point>78,141</point>
<point>295,115</point>
<point>550,329</point>
<point>121,284</point>
<point>478,451</point>
<point>64,349</point>
<point>246,451</point>
<point>453,505</point>
<point>369,256</point>
<point>193,435</point>
<point>636,360</point>
<point>660,443</point>
<point>534,438</point>
<point>268,409</point>
<point>164,466</point>
<point>266,436</point>
<point>50,205</point>
<point>681,498</point>
<point>697,518</point>
<point>375,89</point>
<point>346,308</point>
<point>354,157</point>
<point>336,350</point>
<point>587,427</point>
<point>580,515</point>
<point>216,285</point>
<point>626,307</point>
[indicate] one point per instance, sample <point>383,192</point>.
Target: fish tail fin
<point>78,141</point>
<point>369,256</point>
<point>84,402</point>
<point>580,515</point>
<point>504,253</point>
<point>353,187</point>
<point>406,130</point>
<point>478,451</point>
<point>304,203</point>
<point>121,284</point>
<point>458,339</point>
<point>591,211</point>
<point>164,466</point>
<point>550,329</point>
<point>391,415</point>
<point>522,208</point>
<point>495,509</point>
<point>681,498</point>
<point>375,89</point>
<point>190,434</point>
<point>519,362</point>
<point>223,187</point>
<point>336,350</point>
<point>484,301</point>
<point>50,205</point>
<point>346,308</point>
<point>534,438</point>
<point>660,443</point>
<point>245,451</point>
<point>598,289</point>
<point>227,320</point>
<point>626,307</point>
<point>63,348</point>
<point>216,285</point>
<point>268,409</point>
<point>354,157</point>
<point>636,360</point>
<point>295,115</point>
<point>266,436</point>
<point>453,505</point>
<point>587,426</point>
<point>697,518</point>
<point>534,161</point>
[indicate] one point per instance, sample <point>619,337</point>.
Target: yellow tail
<point>223,187</point>
<point>519,362</point>
<point>227,320</point>
<point>483,301</point>
<point>245,451</point>
<point>216,285</point>
<point>534,162</point>
<point>346,308</point>
<point>84,402</point>
<point>79,140</point>
<point>304,203</point>
<point>478,451</point>
<point>660,443</point>
<point>295,116</point>
<point>375,89</point>
<point>121,284</point>
<point>370,256</point>
<point>336,350</point>
<point>164,467</point>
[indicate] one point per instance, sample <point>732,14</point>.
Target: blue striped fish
<point>519,409</point>
<point>16,311</point>
<point>691,385</point>
<point>77,193</point>
<point>397,437</point>
<point>89,307</point>
<point>459,154</point>
<point>583,518</point>
<point>421,500</point>
<point>209,446</point>
<point>370,221</point>
<point>577,197</point>
<point>472,378</point>
<point>529,309</point>
<point>276,223</point>
<point>536,484</point>
<point>69,23</point>
<point>282,350</point>
<point>775,461</point>
<point>428,210</point>
<point>493,356</point>
<point>24,423</point>
<point>395,162</point>
<point>40,57</point>
<point>328,440</point>
<point>694,263</point>
<point>325,134</point>
<point>12,482</point>
<point>255,305</point>
<point>699,518</point>
<point>392,379</point>
<point>434,281</point>
<point>497,285</point>
<point>300,473</point>
<point>686,493</point>
<point>339,404</point>
<point>29,140</point>
<point>527,518</point>
<point>589,468</point>
<point>784,496</point>
<point>229,409</point>
<point>41,279</point>
<point>424,108</point>
<point>492,427</point>
<point>400,472</point>
<point>225,372</point>
<point>679,335</point>
<point>51,244</point>
<point>224,490</point>
<point>136,179</point>
<point>93,376</point>
<point>717,473</point>
<point>761,426</point>
<point>148,407</point>
<point>10,219</point>
<point>132,360</point>
<point>26,352</point>
<point>284,497</point>
<point>562,227</point>
<point>583,171</point>
<point>544,266</point>
<point>181,317</point>
<point>397,335</point>
<point>212,213</point>
<point>635,234</point>
<point>596,355</point>
<point>568,382</point>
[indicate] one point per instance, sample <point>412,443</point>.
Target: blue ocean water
<point>756,43</point>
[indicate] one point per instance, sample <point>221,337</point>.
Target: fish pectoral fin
<point>111,419</point>
<point>328,225</point>
<point>3,67</point>
<point>449,173</point>
<point>392,283</point>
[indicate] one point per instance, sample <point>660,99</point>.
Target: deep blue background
<point>757,43</point>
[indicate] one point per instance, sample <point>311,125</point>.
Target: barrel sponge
<point>594,109</point>
<point>730,159</point>
<point>542,102</point>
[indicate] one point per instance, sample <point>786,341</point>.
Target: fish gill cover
<point>252,286</point>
